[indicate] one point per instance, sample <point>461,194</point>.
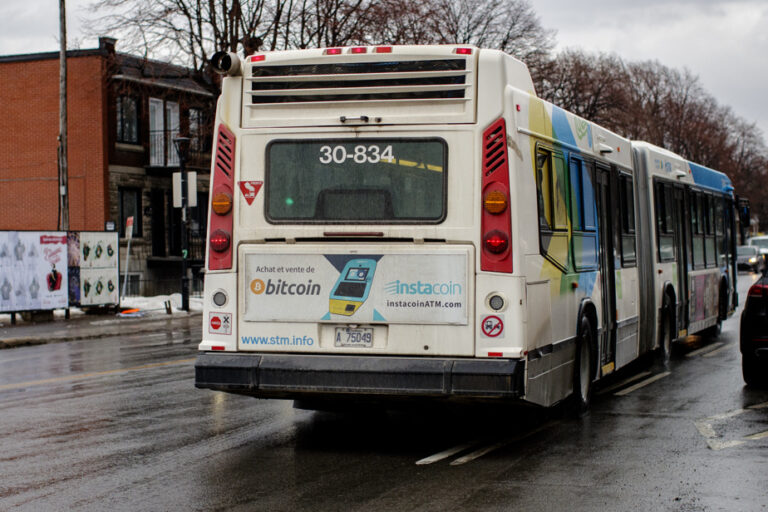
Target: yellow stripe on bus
<point>417,165</point>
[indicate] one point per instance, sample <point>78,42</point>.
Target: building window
<point>130,206</point>
<point>195,130</point>
<point>127,120</point>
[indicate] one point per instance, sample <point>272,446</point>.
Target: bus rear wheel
<point>582,370</point>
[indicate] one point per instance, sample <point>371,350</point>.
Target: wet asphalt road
<point>116,424</point>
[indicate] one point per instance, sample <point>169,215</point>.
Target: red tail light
<point>495,220</point>
<point>222,192</point>
<point>758,290</point>
<point>496,242</point>
<point>220,240</point>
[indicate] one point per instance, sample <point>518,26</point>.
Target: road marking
<point>704,350</point>
<point>716,351</point>
<point>642,384</point>
<point>706,426</point>
<point>759,435</point>
<point>624,382</point>
<point>446,453</point>
<point>81,376</point>
<point>479,453</point>
<point>716,445</point>
<point>707,429</point>
<point>488,449</point>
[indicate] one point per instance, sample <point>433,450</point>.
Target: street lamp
<point>182,149</point>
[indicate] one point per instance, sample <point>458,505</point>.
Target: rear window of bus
<point>356,181</point>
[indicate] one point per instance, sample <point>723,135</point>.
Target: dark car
<point>754,334</point>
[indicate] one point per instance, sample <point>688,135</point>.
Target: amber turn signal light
<point>495,202</point>
<point>221,203</point>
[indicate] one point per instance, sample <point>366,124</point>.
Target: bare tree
<point>508,25</point>
<point>591,86</point>
<point>186,30</point>
<point>191,30</point>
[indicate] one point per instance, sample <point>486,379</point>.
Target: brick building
<point>123,114</point>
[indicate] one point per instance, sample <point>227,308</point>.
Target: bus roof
<point>711,179</point>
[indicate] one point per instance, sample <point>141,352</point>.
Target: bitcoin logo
<point>257,286</point>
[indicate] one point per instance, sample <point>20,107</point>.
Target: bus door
<point>681,254</point>
<point>606,208</point>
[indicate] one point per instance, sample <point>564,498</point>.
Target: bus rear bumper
<point>302,375</point>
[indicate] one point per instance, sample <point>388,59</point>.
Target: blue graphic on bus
<point>352,288</point>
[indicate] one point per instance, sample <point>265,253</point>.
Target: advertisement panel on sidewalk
<point>33,270</point>
<point>395,288</point>
<point>93,268</point>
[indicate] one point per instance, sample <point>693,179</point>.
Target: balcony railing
<point>162,152</point>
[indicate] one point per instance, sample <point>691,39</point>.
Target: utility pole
<point>63,169</point>
<point>182,148</point>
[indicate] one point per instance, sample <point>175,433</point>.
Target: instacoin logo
<point>257,286</point>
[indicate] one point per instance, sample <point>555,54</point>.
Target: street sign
<point>191,189</point>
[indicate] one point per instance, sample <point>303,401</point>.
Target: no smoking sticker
<point>220,323</point>
<point>492,326</point>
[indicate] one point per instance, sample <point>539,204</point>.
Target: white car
<point>761,242</point>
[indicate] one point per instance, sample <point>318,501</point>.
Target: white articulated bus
<point>412,221</point>
<point>689,264</point>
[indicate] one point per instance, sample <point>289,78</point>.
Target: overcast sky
<point>724,42</point>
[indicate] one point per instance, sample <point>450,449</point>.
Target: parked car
<point>753,338</point>
<point>748,257</point>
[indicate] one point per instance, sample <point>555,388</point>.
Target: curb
<point>112,328</point>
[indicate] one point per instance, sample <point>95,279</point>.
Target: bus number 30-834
<point>360,154</point>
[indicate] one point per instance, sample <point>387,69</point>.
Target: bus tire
<point>665,334</point>
<point>582,369</point>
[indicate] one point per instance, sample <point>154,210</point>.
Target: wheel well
<point>589,311</point>
<point>669,293</point>
<point>723,305</point>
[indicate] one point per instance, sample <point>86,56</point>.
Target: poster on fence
<point>33,270</point>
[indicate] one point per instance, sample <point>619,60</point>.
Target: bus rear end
<point>360,228</point>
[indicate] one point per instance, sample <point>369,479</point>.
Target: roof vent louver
<point>425,79</point>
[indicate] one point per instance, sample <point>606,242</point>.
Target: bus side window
<point>665,232</point>
<point>722,246</point>
<point>552,192</point>
<point>709,239</point>
<point>543,188</point>
<point>584,236</point>
<point>560,193</point>
<point>697,230</point>
<point>627,206</point>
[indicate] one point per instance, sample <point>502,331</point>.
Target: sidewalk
<point>82,326</point>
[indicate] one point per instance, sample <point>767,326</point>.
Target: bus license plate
<point>354,337</point>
